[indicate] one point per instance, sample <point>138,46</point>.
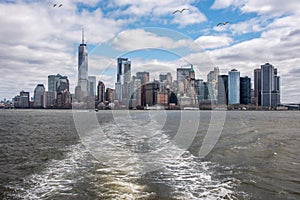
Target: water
<point>43,157</point>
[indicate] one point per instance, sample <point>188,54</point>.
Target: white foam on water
<point>127,154</point>
<point>135,151</point>
<point>57,178</point>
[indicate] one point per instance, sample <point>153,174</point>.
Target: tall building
<point>136,90</point>
<point>62,84</point>
<point>92,86</point>
<point>149,93</point>
<point>233,87</point>
<point>245,90</point>
<point>169,78</point>
<point>22,100</point>
<point>162,77</point>
<point>101,92</point>
<point>257,87</point>
<point>64,99</point>
<point>223,89</point>
<point>52,82</point>
<point>185,79</point>
<point>83,67</point>
<point>38,95</point>
<point>143,76</point>
<point>122,85</point>
<point>202,90</point>
<point>270,86</point>
<point>212,83</point>
<point>49,99</point>
<point>109,95</point>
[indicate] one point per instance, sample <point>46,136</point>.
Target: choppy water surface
<point>43,157</point>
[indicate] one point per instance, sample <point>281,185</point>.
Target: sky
<point>38,39</point>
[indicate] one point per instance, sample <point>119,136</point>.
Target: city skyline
<point>253,37</point>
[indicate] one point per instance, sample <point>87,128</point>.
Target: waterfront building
<point>233,87</point>
<point>122,85</point>
<point>22,100</point>
<point>245,90</point>
<point>64,99</point>
<point>92,86</point>
<point>62,84</point>
<point>270,86</point>
<point>223,89</point>
<point>109,95</point>
<point>169,79</point>
<point>101,92</point>
<point>162,78</point>
<point>185,80</point>
<point>149,93</point>
<point>257,87</point>
<point>52,82</point>
<point>38,95</point>
<point>135,96</point>
<point>143,76</point>
<point>83,67</point>
<point>212,83</point>
<point>49,99</point>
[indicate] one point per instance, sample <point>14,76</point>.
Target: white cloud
<point>209,42</point>
<point>161,11</point>
<point>192,16</point>
<point>219,4</point>
<point>271,7</point>
<point>131,40</point>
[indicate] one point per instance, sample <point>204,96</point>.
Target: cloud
<point>135,39</point>
<point>210,42</point>
<point>161,11</point>
<point>190,17</point>
<point>268,8</point>
<point>219,4</point>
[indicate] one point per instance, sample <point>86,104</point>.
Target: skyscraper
<point>143,76</point>
<point>270,86</point>
<point>52,81</point>
<point>257,87</point>
<point>245,90</point>
<point>124,70</point>
<point>212,83</point>
<point>38,95</point>
<point>101,92</point>
<point>22,100</point>
<point>62,84</point>
<point>223,89</point>
<point>162,77</point>
<point>233,87</point>
<point>185,80</point>
<point>123,79</point>
<point>92,86</point>
<point>83,66</point>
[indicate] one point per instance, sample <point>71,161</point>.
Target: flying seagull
<point>60,5</point>
<point>180,10</point>
<point>222,23</point>
<point>54,5</point>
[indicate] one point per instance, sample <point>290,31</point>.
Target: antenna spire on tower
<point>82,35</point>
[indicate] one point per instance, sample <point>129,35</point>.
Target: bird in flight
<point>56,5</point>
<point>180,10</point>
<point>222,23</point>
